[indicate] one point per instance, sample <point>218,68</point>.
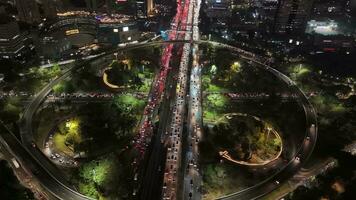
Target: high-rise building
<point>28,11</point>
<point>292,16</point>
<point>149,6</point>
<point>51,7</point>
<point>12,42</point>
<point>109,5</point>
<point>141,9</point>
<point>96,5</point>
<point>144,8</point>
<point>338,10</point>
<point>91,5</point>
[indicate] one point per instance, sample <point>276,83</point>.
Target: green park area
<point>247,140</point>
<point>129,104</point>
<point>104,178</point>
<point>35,78</point>
<point>95,125</point>
<point>121,74</point>
<point>10,109</point>
<point>63,87</point>
<point>220,78</point>
<point>214,106</point>
<point>125,74</point>
<point>221,179</point>
<point>298,71</point>
<point>335,115</point>
<point>68,136</point>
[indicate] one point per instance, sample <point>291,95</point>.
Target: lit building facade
<point>51,7</point>
<point>116,33</point>
<point>28,11</point>
<point>12,42</point>
<point>292,16</point>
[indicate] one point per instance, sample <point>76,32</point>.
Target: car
<point>297,159</point>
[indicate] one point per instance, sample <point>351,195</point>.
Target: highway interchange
<point>173,155</point>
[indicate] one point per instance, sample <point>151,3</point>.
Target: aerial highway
<point>187,39</point>
<point>52,185</point>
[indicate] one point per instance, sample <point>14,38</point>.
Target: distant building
<point>109,5</point>
<point>52,48</point>
<point>12,42</point>
<point>292,16</point>
<point>330,26</point>
<point>270,8</point>
<point>150,6</point>
<point>95,5</point>
<point>92,5</point>
<point>28,11</point>
<point>218,8</point>
<point>51,7</point>
<point>333,43</point>
<point>144,8</point>
<point>116,33</point>
<point>332,9</point>
<point>141,9</point>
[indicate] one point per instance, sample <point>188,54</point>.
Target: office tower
<point>51,7</point>
<point>141,9</point>
<point>109,5</point>
<point>28,11</point>
<point>332,9</point>
<point>149,6</point>
<point>91,5</point>
<point>292,16</point>
<point>12,42</point>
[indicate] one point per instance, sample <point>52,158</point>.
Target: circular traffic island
<point>67,136</point>
<point>247,109</point>
<point>121,75</point>
<point>247,140</point>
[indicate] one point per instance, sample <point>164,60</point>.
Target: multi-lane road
<point>176,97</point>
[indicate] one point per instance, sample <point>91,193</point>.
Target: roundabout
<point>59,185</point>
<point>268,144</point>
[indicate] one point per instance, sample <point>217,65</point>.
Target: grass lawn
<point>68,136</point>
<point>59,144</point>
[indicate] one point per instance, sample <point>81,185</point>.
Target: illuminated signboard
<point>71,32</point>
<point>126,28</point>
<point>120,1</point>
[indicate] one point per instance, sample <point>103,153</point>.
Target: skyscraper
<point>50,7</point>
<point>149,6</point>
<point>141,9</point>
<point>292,16</point>
<point>91,5</point>
<point>12,42</point>
<point>144,8</point>
<point>28,11</point>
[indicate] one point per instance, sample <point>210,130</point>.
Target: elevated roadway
<point>54,181</point>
